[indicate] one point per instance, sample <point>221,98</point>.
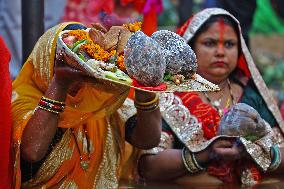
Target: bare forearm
<point>41,128</point>
<point>163,166</point>
<point>146,134</point>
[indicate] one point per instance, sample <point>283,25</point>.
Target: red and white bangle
<point>50,105</point>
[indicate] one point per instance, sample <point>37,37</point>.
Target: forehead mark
<point>222,30</point>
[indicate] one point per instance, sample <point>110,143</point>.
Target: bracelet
<point>46,109</point>
<point>148,108</point>
<point>51,105</point>
<point>52,101</point>
<point>147,103</point>
<point>276,158</point>
<point>196,163</point>
<point>188,161</point>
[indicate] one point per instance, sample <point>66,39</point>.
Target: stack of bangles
<point>276,161</point>
<point>190,162</point>
<point>147,106</point>
<point>51,105</point>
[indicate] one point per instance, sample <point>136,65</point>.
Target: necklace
<point>216,104</point>
<point>83,163</point>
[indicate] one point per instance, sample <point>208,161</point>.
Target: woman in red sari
<point>189,139</point>
<point>6,119</point>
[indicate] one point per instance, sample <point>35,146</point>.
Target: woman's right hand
<point>65,75</point>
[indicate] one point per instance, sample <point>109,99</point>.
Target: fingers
<point>227,150</point>
<point>59,58</point>
<point>227,153</point>
<point>222,144</point>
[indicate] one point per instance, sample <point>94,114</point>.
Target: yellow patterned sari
<point>97,115</point>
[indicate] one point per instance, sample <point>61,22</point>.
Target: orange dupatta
<point>96,114</point>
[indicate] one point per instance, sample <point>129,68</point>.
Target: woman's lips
<point>219,63</point>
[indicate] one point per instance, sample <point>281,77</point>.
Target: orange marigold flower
<point>95,51</point>
<point>120,62</point>
<point>133,27</point>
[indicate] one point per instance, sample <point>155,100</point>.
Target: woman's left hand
<point>228,150</point>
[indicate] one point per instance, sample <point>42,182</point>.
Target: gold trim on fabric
<point>166,142</point>
<point>199,19</point>
<point>42,56</point>
<point>184,125</point>
<point>190,133</point>
<point>279,139</point>
<point>260,149</point>
<point>68,184</point>
<point>15,95</point>
<point>127,110</point>
<point>107,172</point>
<point>59,154</point>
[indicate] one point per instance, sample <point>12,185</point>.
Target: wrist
<point>142,96</point>
<point>56,91</point>
<point>61,84</point>
<point>147,102</point>
<point>190,162</point>
<point>202,158</point>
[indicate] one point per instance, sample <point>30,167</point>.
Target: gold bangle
<point>52,101</point>
<point>188,161</point>
<point>148,109</point>
<point>147,103</point>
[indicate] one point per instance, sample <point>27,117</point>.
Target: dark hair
<point>227,20</point>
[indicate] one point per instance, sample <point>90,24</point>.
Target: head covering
<point>178,109</point>
<point>245,62</point>
<point>93,110</point>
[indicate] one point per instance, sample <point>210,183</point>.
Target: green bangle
<point>275,163</point>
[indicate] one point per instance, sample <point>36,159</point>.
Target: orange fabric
<point>95,114</point>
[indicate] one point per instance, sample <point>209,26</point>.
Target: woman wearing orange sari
<point>189,137</point>
<point>68,130</point>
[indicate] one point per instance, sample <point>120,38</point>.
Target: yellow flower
<point>133,27</point>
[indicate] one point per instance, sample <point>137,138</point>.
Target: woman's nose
<point>220,51</point>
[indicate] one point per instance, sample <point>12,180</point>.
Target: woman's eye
<point>209,43</point>
<point>229,44</point>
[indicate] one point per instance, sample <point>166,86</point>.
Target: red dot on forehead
<point>222,30</point>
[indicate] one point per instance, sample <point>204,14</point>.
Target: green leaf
<point>167,76</point>
<point>77,45</point>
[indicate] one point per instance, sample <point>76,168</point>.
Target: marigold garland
<point>133,27</point>
<point>95,51</point>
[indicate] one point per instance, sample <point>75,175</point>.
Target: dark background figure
<point>243,10</point>
<point>184,10</point>
<point>278,6</point>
